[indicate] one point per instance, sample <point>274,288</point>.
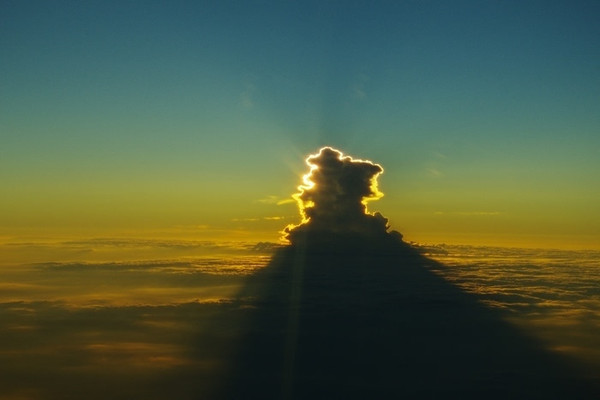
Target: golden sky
<point>195,122</point>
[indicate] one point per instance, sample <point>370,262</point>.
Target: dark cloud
<point>333,203</point>
<point>49,351</point>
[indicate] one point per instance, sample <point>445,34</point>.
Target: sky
<point>193,119</point>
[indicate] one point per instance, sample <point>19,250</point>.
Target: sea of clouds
<point>135,311</point>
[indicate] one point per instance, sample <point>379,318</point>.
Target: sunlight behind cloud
<point>335,178</point>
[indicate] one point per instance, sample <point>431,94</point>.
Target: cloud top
<point>333,200</point>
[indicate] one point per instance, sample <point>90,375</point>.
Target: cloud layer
<point>157,329</point>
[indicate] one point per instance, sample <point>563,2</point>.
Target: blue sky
<point>484,114</point>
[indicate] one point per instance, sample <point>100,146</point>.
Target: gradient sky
<point>193,119</point>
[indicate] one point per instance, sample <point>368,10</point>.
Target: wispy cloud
<point>274,218</point>
<point>434,172</point>
<point>247,96</point>
<point>285,201</point>
<point>358,87</point>
<point>271,199</point>
<point>469,213</point>
<point>276,200</point>
<point>245,219</point>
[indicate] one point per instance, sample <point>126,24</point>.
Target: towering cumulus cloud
<point>333,203</point>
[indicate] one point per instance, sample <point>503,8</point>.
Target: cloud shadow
<point>364,324</point>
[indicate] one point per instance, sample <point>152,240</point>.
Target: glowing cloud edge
<point>307,183</point>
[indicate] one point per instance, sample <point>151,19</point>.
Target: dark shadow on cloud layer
<point>383,326</point>
<point>350,311</point>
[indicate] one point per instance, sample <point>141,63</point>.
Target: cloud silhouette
<point>333,203</point>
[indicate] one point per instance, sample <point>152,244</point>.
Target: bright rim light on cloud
<point>309,184</point>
